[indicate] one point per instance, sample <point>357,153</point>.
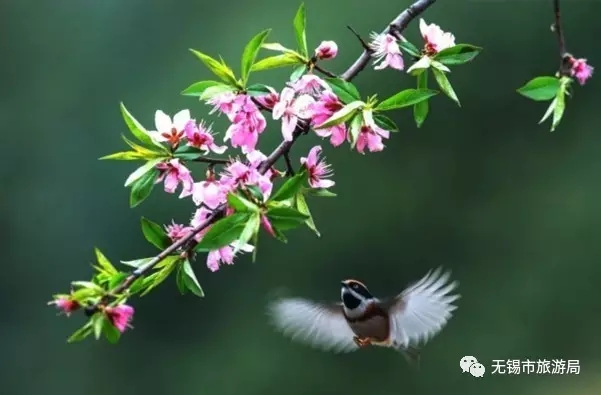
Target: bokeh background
<point>511,208</point>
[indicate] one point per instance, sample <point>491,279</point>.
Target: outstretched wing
<point>422,310</point>
<point>319,325</point>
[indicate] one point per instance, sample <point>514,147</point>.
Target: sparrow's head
<point>354,295</point>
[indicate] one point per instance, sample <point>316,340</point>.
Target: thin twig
<point>212,161</point>
<point>397,25</point>
<point>289,168</point>
<point>564,67</point>
<point>365,45</point>
<point>187,242</point>
<point>324,71</point>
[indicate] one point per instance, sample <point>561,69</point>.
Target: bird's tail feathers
<point>411,354</point>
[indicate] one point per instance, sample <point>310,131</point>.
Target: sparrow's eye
<point>355,286</point>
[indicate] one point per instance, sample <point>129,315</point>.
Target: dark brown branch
<point>324,71</point>
<point>564,66</point>
<point>365,45</point>
<point>289,167</point>
<point>187,242</point>
<point>397,26</point>
<point>212,161</point>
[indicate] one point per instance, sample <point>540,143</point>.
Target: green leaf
<point>540,88</point>
<point>342,115</point>
<point>138,130</point>
<point>186,152</point>
<point>179,280</point>
<point>104,263</point>
<point>355,129</point>
<point>250,229</point>
<point>345,91</point>
<point>216,90</point>
<point>420,66</point>
<point>218,68</point>
<point>290,188</point>
<point>297,73</point>
<point>458,54</point>
<point>421,109</point>
<point>88,285</point>
<point>155,234</point>
<point>189,279</point>
<point>223,232</point>
<point>111,333</point>
<point>559,109</point>
<point>445,85</point>
<point>284,218</point>
<point>258,90</point>
<point>142,170</point>
<point>126,155</point>
<point>141,189</point>
<point>250,53</point>
<point>137,262</point>
<point>280,48</point>
<point>300,21</point>
<point>198,88</point>
<point>320,192</point>
<point>386,123</point>
<point>406,98</point>
<point>241,204</point>
<point>147,152</point>
<point>160,276</point>
<point>117,279</point>
<point>274,62</point>
<point>97,324</point>
<point>256,192</point>
<point>303,208</point>
<point>81,333</point>
<point>409,48</point>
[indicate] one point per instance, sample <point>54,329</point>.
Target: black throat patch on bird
<point>350,301</point>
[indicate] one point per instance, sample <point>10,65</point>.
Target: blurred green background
<point>512,209</point>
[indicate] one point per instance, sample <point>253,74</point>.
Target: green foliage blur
<point>511,208</point>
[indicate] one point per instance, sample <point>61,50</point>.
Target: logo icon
<point>472,366</point>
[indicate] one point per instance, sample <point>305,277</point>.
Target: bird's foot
<point>362,342</point>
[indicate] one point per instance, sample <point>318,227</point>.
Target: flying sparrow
<point>402,322</point>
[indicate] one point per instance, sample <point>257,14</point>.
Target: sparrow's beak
<point>343,283</point>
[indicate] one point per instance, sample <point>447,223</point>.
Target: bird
<point>403,322</point>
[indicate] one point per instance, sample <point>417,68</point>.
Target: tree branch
<point>187,242</point>
<point>212,161</point>
<point>396,26</point>
<point>564,67</point>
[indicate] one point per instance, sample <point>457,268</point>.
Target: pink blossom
<point>238,174</point>
<point>267,225</point>
<point>326,105</point>
<point>247,124</point>
<point>170,130</point>
<point>326,50</point>
<point>270,99</point>
<point>581,70</point>
<point>120,316</point>
<point>174,173</point>
<point>201,137</point>
<point>200,217</point>
<point>386,52</point>
<point>224,255</point>
<point>210,193</point>
<point>317,169</point>
<point>371,134</point>
<point>436,39</point>
<point>224,103</point>
<point>290,109</point>
<point>177,231</point>
<point>65,304</point>
<point>309,84</point>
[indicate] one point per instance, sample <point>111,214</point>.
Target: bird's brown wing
<point>320,325</point>
<point>421,310</point>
